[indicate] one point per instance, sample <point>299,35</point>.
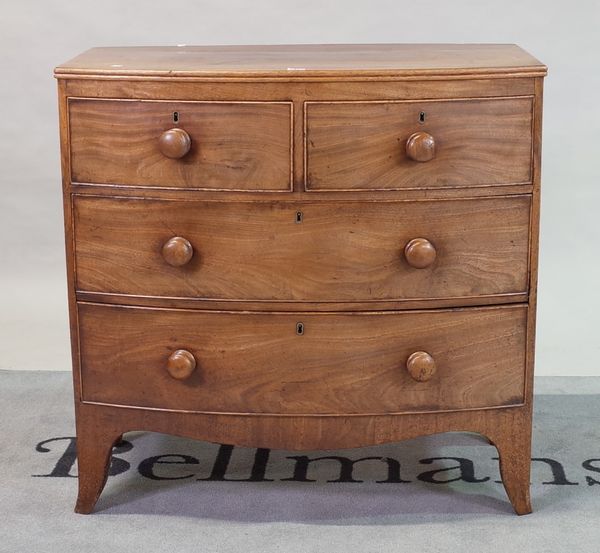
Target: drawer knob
<point>420,146</point>
<point>420,253</point>
<point>421,366</point>
<point>181,364</point>
<point>177,251</point>
<point>174,143</point>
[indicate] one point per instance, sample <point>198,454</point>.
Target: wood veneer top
<point>302,61</point>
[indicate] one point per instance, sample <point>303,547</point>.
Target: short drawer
<point>190,145</point>
<point>354,363</point>
<point>302,251</point>
<point>418,144</point>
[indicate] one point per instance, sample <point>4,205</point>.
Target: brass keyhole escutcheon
<point>299,329</point>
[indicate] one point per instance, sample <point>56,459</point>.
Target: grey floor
<point>164,504</point>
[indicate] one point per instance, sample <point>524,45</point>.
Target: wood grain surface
<point>237,146</point>
<point>339,252</point>
<point>304,61</point>
<point>362,145</point>
<point>340,364</point>
<point>297,91</point>
<point>99,427</point>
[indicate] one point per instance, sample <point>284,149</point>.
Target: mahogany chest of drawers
<point>302,247</point>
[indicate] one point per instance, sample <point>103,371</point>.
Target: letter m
<point>346,466</point>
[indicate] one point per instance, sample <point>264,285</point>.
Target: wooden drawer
<point>342,251</point>
<point>341,364</point>
<point>232,145</point>
<point>362,145</point>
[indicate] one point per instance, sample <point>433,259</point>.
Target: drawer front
<point>344,364</point>
<point>229,145</point>
<point>302,251</point>
<point>363,145</point>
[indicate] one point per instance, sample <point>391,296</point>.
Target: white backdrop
<point>37,35</point>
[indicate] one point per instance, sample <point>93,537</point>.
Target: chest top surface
<point>305,61</point>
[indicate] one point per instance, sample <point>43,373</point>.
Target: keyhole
<point>422,117</point>
<point>299,329</point>
<point>175,117</point>
<point>299,216</point>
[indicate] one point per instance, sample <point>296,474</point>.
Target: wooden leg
<point>514,452</point>
<point>95,441</point>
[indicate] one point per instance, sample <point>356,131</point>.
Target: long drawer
<point>354,363</point>
<point>302,251</point>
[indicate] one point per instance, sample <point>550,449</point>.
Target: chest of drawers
<point>302,247</point>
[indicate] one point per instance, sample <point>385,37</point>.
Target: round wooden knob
<point>420,253</point>
<point>421,366</point>
<point>174,143</point>
<point>181,364</point>
<point>177,251</point>
<point>420,146</point>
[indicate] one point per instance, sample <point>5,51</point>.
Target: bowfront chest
<point>302,247</point>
